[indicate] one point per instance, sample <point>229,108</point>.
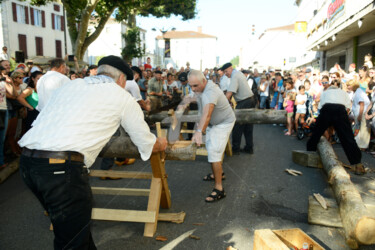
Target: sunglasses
<point>20,77</point>
<point>325,82</point>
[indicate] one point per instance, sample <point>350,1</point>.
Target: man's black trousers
<point>65,193</point>
<point>245,129</point>
<point>335,115</point>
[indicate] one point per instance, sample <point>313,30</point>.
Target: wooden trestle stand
<point>158,194</point>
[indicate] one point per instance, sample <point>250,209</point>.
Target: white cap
<point>33,69</point>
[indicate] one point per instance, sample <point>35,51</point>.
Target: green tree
<point>80,13</point>
<point>235,61</point>
<point>133,44</point>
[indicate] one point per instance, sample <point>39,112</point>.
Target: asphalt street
<point>260,194</point>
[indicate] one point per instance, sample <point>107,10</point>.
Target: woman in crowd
<point>29,99</point>
<point>364,78</point>
<point>360,104</point>
<point>18,112</point>
<point>5,88</point>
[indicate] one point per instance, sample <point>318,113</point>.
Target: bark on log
<point>358,222</point>
<point>120,145</point>
<point>9,170</point>
<point>243,116</point>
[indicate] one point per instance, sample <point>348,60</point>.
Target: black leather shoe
<point>248,151</point>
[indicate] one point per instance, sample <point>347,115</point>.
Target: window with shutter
<point>62,23</point>
<point>22,45</point>
<point>53,21</point>
<point>37,18</point>
<point>43,19</point>
<point>21,13</point>
<point>14,9</point>
<point>26,15</point>
<point>58,49</point>
<point>56,7</point>
<point>39,46</point>
<point>32,15</point>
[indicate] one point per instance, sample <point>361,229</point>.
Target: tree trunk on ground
<point>243,116</point>
<point>359,224</point>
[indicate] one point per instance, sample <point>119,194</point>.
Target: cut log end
<point>365,230</point>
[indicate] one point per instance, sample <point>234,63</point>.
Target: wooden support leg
<point>158,171</point>
<point>153,206</point>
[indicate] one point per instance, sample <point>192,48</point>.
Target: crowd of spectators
<point>298,92</point>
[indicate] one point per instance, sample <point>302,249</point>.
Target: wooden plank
<point>123,215</point>
<point>121,174</point>
<point>120,191</point>
<point>187,131</point>
<point>158,171</point>
<point>307,158</point>
<point>265,239</point>
<point>153,206</point>
<point>319,216</point>
<point>172,217</point>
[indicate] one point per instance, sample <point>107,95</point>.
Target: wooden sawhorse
<point>158,195</point>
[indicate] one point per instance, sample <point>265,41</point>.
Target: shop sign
<point>335,10</point>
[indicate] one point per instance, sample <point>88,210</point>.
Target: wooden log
<point>243,116</point>
<point>120,145</point>
<point>358,223</point>
<point>9,170</point>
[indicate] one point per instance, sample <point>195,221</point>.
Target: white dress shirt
<point>47,84</point>
<point>83,115</point>
<point>133,88</point>
<point>334,95</point>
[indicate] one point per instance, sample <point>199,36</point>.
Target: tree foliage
<point>97,12</point>
<point>235,61</point>
<point>133,44</point>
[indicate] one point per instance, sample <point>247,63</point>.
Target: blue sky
<point>230,21</point>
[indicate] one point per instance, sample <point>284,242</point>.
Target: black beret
<point>138,70</point>
<point>119,64</point>
<point>158,72</point>
<point>225,66</point>
<point>182,77</point>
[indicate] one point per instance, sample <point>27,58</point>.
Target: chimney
<point>199,29</point>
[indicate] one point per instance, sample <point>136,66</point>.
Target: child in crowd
<point>301,99</point>
<point>289,106</point>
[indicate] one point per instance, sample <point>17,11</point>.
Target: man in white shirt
<point>224,80</point>
<point>68,135</point>
<point>52,80</point>
<point>4,54</point>
<point>334,106</point>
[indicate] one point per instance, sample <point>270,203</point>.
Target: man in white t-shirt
<point>51,81</point>
<point>216,121</point>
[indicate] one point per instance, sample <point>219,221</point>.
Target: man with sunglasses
<point>334,106</point>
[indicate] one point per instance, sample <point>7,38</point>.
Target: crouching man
<point>65,140</point>
<point>217,121</point>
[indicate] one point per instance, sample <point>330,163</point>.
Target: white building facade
<point>195,48</point>
<point>111,42</point>
<point>33,30</point>
<point>342,31</point>
<point>277,47</point>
